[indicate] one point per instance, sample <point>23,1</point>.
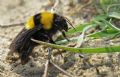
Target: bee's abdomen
<point>23,45</point>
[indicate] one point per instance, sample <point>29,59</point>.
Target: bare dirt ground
<point>94,65</point>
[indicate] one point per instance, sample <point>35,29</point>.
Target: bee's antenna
<point>69,23</point>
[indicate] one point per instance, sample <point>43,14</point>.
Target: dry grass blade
<point>12,25</point>
<point>66,73</point>
<point>46,69</point>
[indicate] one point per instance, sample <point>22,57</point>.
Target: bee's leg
<point>51,40</point>
<point>63,33</point>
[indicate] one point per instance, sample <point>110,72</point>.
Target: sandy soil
<point>94,65</point>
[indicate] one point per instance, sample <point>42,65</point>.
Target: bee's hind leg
<point>64,35</point>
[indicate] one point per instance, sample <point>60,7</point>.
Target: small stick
<point>11,25</point>
<point>62,70</point>
<point>47,63</point>
<point>46,68</point>
<point>55,5</point>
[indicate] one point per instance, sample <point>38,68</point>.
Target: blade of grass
<point>107,49</point>
<point>111,25</point>
<point>106,33</point>
<point>114,15</point>
<point>80,39</point>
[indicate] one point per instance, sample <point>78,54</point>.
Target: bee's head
<point>60,22</point>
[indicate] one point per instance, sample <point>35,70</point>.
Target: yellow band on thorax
<point>47,20</point>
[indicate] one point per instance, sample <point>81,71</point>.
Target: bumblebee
<point>41,26</point>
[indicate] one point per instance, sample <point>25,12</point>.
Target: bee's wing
<point>22,44</point>
<point>20,41</point>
